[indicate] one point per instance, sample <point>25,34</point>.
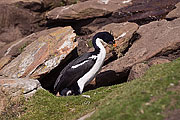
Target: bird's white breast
<point>83,81</point>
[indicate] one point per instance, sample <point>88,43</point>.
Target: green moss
<point>89,43</point>
<point>21,49</point>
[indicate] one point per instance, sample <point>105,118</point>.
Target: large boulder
<point>42,55</point>
<point>144,11</point>
<point>141,12</point>
<point>85,10</point>
<point>137,71</point>
<point>157,38</point>
<point>12,90</point>
<point>16,87</point>
<point>13,49</point>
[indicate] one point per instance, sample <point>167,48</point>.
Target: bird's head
<point>107,37</point>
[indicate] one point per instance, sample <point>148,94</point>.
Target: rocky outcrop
<point>16,87</point>
<point>85,10</point>
<point>13,49</point>
<point>16,23</point>
<point>157,60</point>
<point>174,13</point>
<point>141,12</point>
<point>84,13</point>
<point>42,55</point>
<point>137,71</point>
<point>13,89</point>
<point>156,38</point>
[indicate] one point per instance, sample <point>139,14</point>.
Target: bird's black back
<point>69,76</point>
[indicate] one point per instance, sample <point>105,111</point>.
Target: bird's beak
<point>114,45</point>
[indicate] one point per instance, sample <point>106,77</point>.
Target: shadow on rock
<point>108,78</point>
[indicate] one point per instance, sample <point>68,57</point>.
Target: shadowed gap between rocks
<point>171,19</point>
<point>134,38</point>
<point>108,78</point>
<point>75,24</point>
<point>47,81</point>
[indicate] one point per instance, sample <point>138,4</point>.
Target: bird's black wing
<point>73,71</point>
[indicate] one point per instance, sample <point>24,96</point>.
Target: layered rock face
<point>157,39</point>
<point>42,55</point>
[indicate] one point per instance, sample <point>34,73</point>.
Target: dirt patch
<point>173,115</point>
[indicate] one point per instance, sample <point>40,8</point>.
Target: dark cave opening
<point>47,81</point>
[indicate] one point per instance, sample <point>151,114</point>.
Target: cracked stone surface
<point>42,55</point>
<point>13,89</point>
<point>156,38</point>
<point>16,87</point>
<point>87,9</point>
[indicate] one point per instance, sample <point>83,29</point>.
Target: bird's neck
<point>99,48</point>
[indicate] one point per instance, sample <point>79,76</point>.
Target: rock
<point>81,14</point>
<point>5,60</point>
<point>158,60</point>
<point>15,1</point>
<point>13,49</point>
<point>143,12</point>
<point>122,33</point>
<point>16,87</point>
<point>140,12</point>
<point>50,4</point>
<point>16,23</point>
<point>32,5</point>
<point>2,44</point>
<point>42,55</point>
<point>156,38</point>
<point>138,71</point>
<point>85,10</point>
<point>174,13</point>
<point>12,90</point>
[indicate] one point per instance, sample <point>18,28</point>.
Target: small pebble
<point>87,96</point>
<point>171,84</point>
